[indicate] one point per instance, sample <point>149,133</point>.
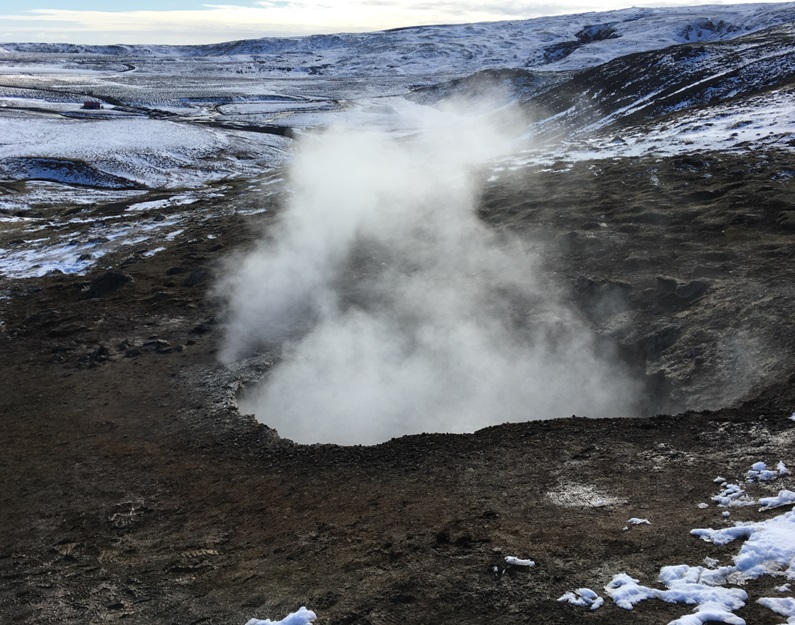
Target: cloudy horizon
<point>195,22</point>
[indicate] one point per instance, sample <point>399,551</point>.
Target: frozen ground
<point>184,119</point>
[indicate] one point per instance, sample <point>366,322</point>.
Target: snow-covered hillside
<point>568,42</point>
<point>179,120</point>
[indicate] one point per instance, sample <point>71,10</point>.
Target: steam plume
<point>398,310</point>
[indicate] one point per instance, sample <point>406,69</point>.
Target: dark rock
<point>108,283</point>
<point>204,327</point>
<point>665,286</point>
<point>157,345</point>
<point>692,290</point>
<point>786,220</point>
<point>674,292</point>
<point>657,342</point>
<point>67,329</point>
<point>196,277</point>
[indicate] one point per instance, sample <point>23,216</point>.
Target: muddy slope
<point>134,492</point>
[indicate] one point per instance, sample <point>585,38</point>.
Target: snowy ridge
<point>630,83</point>
<point>639,88</point>
<point>569,42</point>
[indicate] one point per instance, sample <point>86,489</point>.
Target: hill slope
<point>660,203</point>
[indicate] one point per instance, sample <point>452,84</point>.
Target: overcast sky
<point>192,21</point>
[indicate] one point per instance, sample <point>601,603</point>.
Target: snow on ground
<point>732,495</point>
<point>558,43</point>
<point>768,550</point>
<point>781,606</point>
<point>763,121</point>
<point>760,473</point>
<point>37,246</point>
<point>784,498</point>
<point>53,152</point>
<point>149,152</point>
<point>584,598</point>
<point>45,194</point>
<point>75,254</point>
<point>301,617</point>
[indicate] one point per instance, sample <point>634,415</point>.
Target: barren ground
<point>133,491</point>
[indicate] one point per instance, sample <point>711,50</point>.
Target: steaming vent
<point>395,310</point>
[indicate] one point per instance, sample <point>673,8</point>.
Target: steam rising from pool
<point>397,310</point>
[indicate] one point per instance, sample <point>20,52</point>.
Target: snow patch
<point>733,495</point>
<point>301,617</point>
<point>584,598</point>
<point>760,473</point>
<point>781,606</point>
<point>684,584</point>
<point>784,498</point>
<point>769,548</point>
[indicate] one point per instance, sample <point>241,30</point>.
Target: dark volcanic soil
<point>133,491</point>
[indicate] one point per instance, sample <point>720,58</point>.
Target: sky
<point>196,22</point>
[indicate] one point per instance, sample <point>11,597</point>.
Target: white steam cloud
<point>397,309</point>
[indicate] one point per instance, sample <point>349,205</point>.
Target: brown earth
<point>133,491</point>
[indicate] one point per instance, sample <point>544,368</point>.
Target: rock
<point>691,291</point>
<point>786,220</point>
<point>101,354</point>
<point>65,330</point>
<point>657,342</point>
<point>674,293</point>
<point>196,277</point>
<point>108,283</point>
<point>204,327</point>
<point>157,345</point>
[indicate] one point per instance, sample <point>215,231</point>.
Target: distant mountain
<point>569,42</point>
<point>621,83</point>
<point>640,88</point>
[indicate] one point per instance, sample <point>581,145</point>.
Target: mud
<point>134,491</point>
